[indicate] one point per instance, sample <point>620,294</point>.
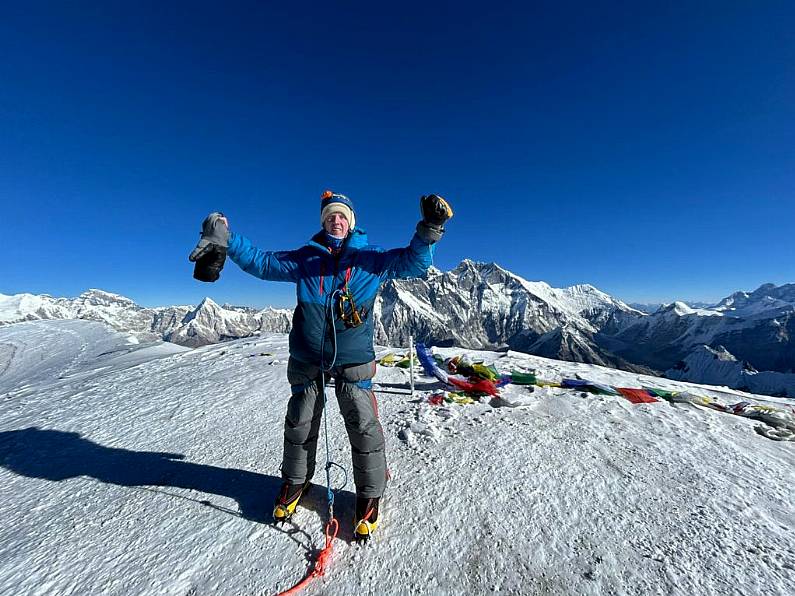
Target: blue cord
<point>323,370</point>
<point>329,317</point>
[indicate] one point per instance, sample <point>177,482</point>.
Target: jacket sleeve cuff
<point>429,233</point>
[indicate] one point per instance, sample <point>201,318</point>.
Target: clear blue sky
<point>646,148</point>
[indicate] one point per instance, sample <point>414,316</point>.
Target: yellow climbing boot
<point>367,517</point>
<point>288,499</point>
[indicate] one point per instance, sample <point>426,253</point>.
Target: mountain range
<point>483,306</point>
<point>190,326</point>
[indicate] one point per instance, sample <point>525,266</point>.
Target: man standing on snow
<point>337,276</point>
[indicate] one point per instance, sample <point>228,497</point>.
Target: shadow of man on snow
<point>57,455</point>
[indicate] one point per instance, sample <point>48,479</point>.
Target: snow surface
<point>128,470</point>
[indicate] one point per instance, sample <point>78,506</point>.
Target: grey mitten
<point>210,253</point>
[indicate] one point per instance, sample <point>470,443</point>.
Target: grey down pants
<point>357,403</point>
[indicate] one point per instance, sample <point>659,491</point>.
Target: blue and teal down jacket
<point>317,274</point>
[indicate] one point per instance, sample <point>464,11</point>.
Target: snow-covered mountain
<point>652,307</point>
<point>210,323</point>
<point>135,468</point>
<point>184,325</point>
<point>757,327</point>
<point>764,300</point>
<point>117,311</point>
<point>717,366</point>
<point>483,306</point>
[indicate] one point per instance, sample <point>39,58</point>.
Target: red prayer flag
<point>637,396</point>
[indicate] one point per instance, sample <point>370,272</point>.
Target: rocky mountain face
<point>717,366</point>
<point>756,327</point>
<point>483,306</point>
<point>210,323</point>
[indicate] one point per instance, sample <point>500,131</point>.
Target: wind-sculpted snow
<point>53,351</point>
<point>137,472</point>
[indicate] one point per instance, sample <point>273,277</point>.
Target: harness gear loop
<point>346,306</point>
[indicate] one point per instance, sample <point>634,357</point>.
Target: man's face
<point>336,225</point>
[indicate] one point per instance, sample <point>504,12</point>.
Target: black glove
<point>210,253</point>
<point>435,212</point>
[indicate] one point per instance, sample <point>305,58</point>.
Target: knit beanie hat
<point>331,202</point>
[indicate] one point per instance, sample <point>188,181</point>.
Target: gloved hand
<point>435,212</point>
<point>210,253</point>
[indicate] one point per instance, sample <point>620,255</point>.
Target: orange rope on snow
<point>322,558</point>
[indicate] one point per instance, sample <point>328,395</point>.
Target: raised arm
<point>217,242</point>
<point>402,263</point>
<point>270,265</point>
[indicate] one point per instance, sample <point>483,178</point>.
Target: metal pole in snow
<point>411,363</point>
